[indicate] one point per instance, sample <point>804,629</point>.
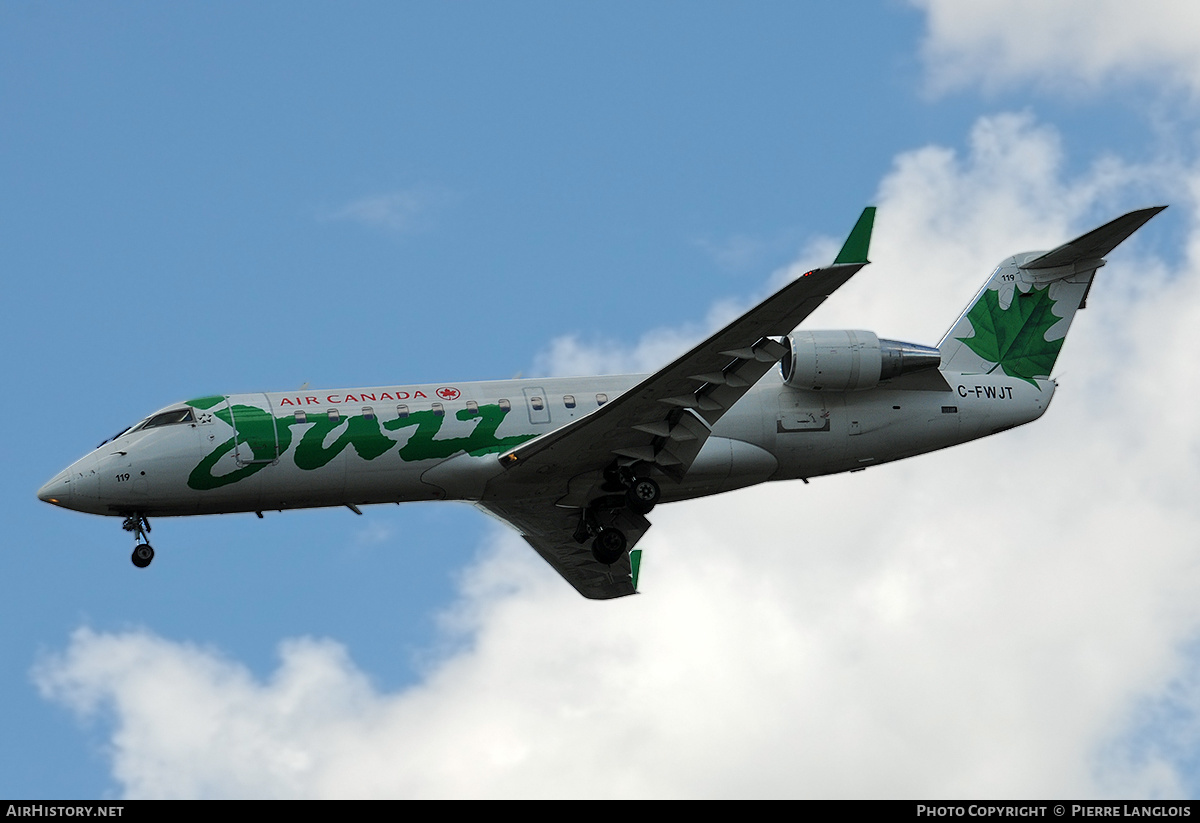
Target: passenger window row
<point>186,415</point>
<point>402,411</point>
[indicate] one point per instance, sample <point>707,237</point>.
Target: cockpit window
<point>170,418</point>
<point>167,418</point>
<point>115,436</point>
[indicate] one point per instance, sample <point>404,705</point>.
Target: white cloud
<point>1063,44</point>
<point>739,251</point>
<point>1004,619</point>
<point>399,211</point>
<point>571,355</point>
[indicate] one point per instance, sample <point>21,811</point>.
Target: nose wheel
<point>143,552</point>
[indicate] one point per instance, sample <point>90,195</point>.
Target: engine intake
<point>850,360</point>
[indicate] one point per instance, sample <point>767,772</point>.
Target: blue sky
<point>210,198</point>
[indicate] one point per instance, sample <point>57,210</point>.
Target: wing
<point>550,530</point>
<point>657,427</point>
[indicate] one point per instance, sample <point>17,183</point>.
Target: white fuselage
<point>268,451</point>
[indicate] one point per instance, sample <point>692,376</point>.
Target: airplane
<point>575,464</point>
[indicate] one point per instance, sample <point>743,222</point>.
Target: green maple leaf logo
<point>1015,339</point>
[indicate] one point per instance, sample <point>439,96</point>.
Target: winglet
<point>859,241</point>
<point>635,564</point>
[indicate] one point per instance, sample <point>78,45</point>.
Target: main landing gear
<point>643,495</point>
<point>608,546</point>
<point>143,552</point>
<point>599,520</point>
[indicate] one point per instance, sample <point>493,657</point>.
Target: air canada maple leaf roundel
<point>448,393</point>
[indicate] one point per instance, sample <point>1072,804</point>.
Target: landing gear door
<point>257,438</point>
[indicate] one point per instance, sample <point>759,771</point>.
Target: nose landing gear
<point>143,552</point>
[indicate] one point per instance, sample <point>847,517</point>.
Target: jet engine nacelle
<point>850,360</point>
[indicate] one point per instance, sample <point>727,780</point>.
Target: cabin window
<point>170,418</point>
<point>368,413</point>
<point>301,417</point>
<point>505,406</point>
<point>537,403</point>
<point>601,399</point>
<point>334,415</point>
<point>472,407</point>
<point>569,401</point>
<point>402,411</point>
<point>439,410</point>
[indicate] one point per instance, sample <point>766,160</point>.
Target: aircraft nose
<point>57,491</point>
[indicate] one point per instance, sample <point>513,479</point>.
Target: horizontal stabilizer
<point>1096,243</point>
